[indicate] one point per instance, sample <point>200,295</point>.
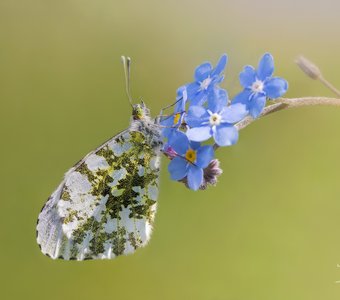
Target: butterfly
<point>106,204</point>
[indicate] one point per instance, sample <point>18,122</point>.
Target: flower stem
<point>329,85</point>
<point>285,103</point>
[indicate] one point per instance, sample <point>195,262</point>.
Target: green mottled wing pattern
<point>106,204</point>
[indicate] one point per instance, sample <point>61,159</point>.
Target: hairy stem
<point>285,103</point>
<point>329,85</point>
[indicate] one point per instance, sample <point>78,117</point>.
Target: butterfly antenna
<point>127,66</point>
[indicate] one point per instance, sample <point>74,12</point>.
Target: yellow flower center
<point>190,155</point>
<point>176,118</point>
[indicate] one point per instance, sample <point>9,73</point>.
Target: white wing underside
<point>105,205</point>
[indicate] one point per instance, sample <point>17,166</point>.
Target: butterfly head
<point>140,111</point>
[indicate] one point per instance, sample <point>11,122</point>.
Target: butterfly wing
<point>106,204</point>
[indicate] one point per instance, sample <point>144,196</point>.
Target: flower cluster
<point>202,111</point>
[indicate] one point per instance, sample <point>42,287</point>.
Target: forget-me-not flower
<point>206,78</point>
<point>259,85</point>
<point>174,121</point>
<point>190,161</point>
<point>215,121</point>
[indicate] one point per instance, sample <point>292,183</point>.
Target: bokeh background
<point>268,230</point>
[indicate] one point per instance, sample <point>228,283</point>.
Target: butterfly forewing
<point>106,204</point>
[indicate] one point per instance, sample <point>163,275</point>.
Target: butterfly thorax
<point>142,122</point>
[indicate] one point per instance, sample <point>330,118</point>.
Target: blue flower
<point>206,78</point>
<point>260,85</point>
<point>174,121</point>
<point>215,121</point>
<point>190,161</point>
<point>181,98</point>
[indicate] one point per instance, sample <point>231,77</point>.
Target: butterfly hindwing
<point>106,204</point>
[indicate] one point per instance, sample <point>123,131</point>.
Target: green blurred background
<point>268,230</point>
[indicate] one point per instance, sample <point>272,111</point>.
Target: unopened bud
<point>169,152</point>
<point>210,174</point>
<point>309,68</point>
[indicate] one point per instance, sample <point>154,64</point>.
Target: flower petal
<point>243,98</point>
<point>169,125</point>
<point>199,98</point>
<point>178,168</point>
<point>167,120</point>
<point>247,76</point>
<point>217,99</point>
<point>226,135</point>
<point>194,145</point>
<point>166,132</point>
<point>192,89</point>
<point>179,142</point>
<point>234,113</point>
<point>199,134</point>
<point>195,177</point>
<point>275,87</point>
<point>181,99</point>
<point>203,71</point>
<point>220,65</point>
<point>266,67</point>
<point>217,79</point>
<point>257,105</point>
<point>205,155</point>
<point>180,91</point>
<point>196,116</point>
